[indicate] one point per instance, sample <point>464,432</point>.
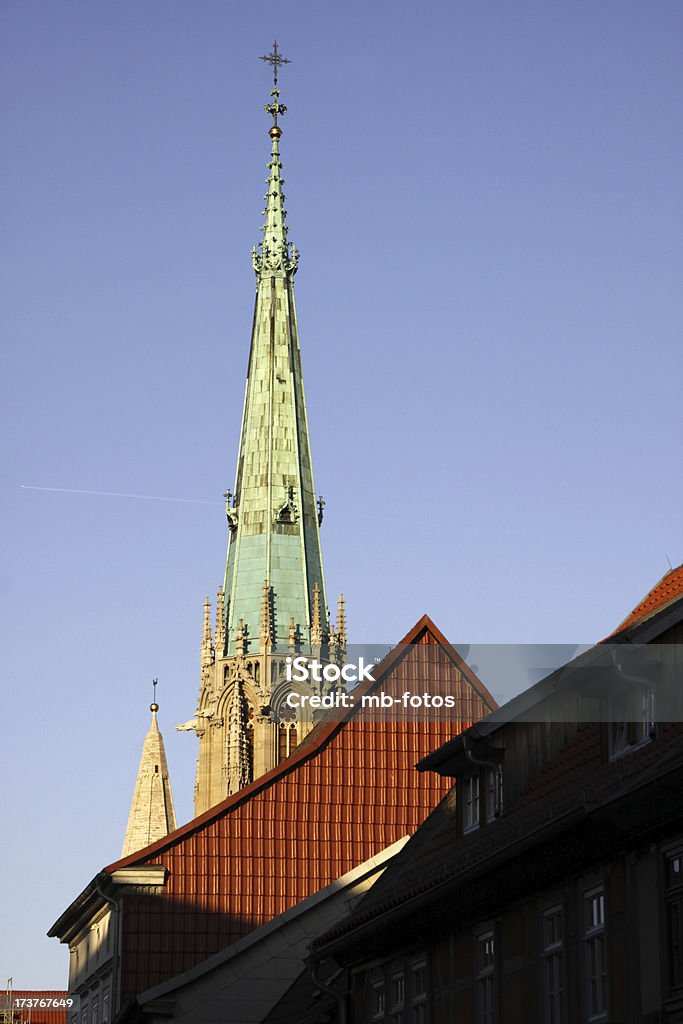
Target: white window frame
<point>378,1004</point>
<point>397,1003</point>
<point>594,938</point>
<point>485,977</point>
<point>471,804</point>
<point>405,1005</point>
<point>417,999</point>
<point>493,778</point>
<point>553,964</point>
<point>631,721</point>
<point>673,897</point>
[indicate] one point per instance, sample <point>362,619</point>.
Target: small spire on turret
<point>207,642</point>
<point>341,625</point>
<point>241,638</point>
<point>219,643</point>
<point>316,624</point>
<point>151,813</point>
<point>266,620</point>
<point>293,639</point>
<point>238,769</point>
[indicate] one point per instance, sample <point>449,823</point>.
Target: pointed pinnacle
<point>207,643</point>
<point>316,624</point>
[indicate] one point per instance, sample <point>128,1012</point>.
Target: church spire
<point>151,813</point>
<point>272,514</point>
<point>273,602</point>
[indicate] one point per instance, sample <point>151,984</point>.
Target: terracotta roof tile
<point>668,590</point>
<point>26,1008</point>
<point>344,795</point>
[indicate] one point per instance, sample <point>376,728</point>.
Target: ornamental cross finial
<point>275,109</point>
<point>275,59</point>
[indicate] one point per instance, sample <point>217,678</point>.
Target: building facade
<point>548,884</point>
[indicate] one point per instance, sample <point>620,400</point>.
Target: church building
<point>293,816</point>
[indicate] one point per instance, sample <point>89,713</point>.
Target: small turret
<point>152,815</point>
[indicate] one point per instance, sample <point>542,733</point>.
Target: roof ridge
<point>307,751</point>
<point>648,605</point>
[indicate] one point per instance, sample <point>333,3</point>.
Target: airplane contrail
<point>199,501</point>
<point>118,494</point>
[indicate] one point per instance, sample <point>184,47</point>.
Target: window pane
<point>471,817</point>
<point>597,987</point>
<point>486,1001</point>
<point>419,981</point>
<point>595,911</point>
<point>676,942</point>
<point>486,952</point>
<point>552,921</point>
<point>553,988</point>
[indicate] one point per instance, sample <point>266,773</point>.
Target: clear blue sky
<point>487,201</point>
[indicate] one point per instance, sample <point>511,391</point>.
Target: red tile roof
<point>346,793</point>
<point>26,1006</point>
<point>668,590</point>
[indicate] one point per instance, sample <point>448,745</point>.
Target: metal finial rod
<point>275,59</point>
<point>154,706</point>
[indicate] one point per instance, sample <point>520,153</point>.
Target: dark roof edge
<point>641,632</point>
<point>425,894</point>
<point>68,922</point>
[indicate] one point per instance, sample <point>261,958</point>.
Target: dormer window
<point>494,793</point>
<point>470,787</point>
<point>631,721</point>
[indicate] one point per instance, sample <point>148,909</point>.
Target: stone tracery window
<point>288,735</point>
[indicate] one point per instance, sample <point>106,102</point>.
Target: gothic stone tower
<point>272,604</point>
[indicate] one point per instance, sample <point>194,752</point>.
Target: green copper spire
<point>273,518</point>
<point>272,605</point>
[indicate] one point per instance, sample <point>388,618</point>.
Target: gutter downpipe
<point>340,997</point>
<point>646,690</point>
<point>116,981</point>
<point>497,768</point>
